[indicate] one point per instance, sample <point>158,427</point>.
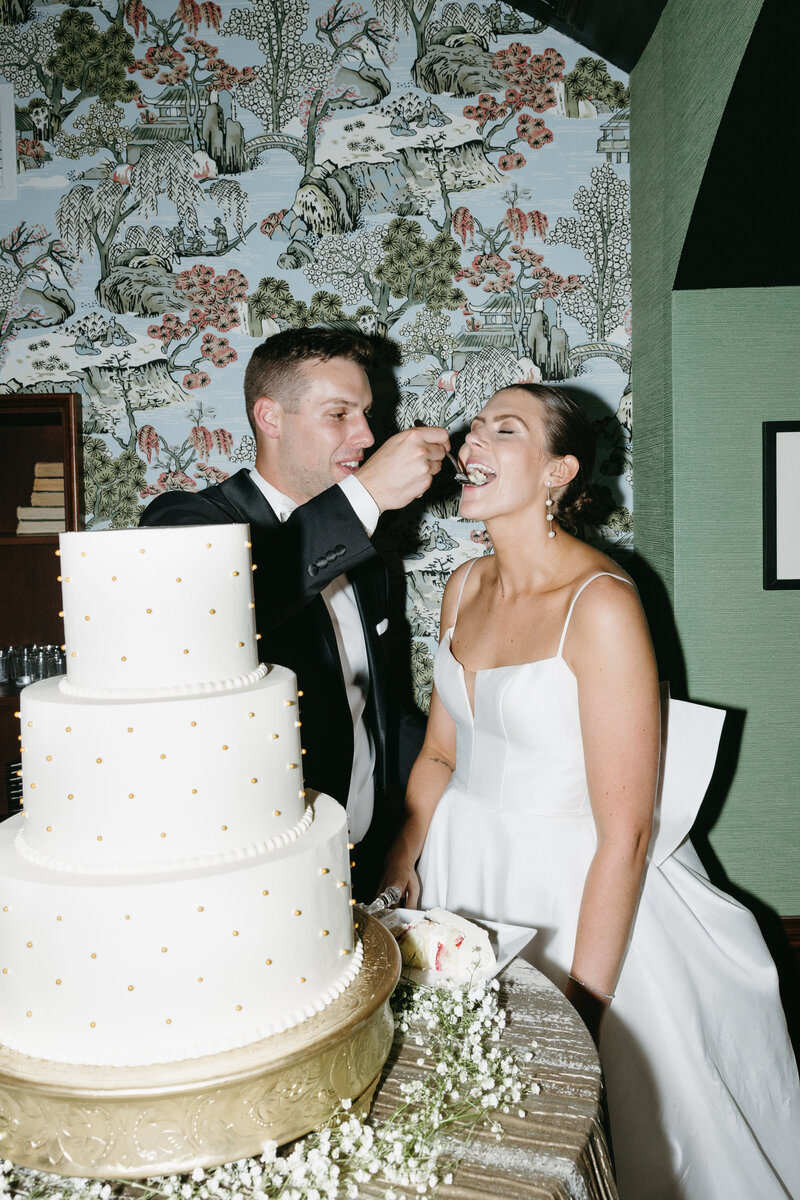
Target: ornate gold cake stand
<point>130,1122</point>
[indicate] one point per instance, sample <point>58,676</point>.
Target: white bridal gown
<point>702,1084</point>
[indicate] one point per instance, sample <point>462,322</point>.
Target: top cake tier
<point>155,610</point>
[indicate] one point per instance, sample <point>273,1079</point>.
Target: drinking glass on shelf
<point>5,655</point>
<point>24,666</point>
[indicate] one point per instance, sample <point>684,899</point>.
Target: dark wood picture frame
<point>777,479</point>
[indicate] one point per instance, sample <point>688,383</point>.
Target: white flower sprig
<point>470,1077</point>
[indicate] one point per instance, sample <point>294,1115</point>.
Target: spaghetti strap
<point>461,592</point>
<point>599,575</point>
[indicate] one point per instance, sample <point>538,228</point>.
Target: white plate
<point>506,942</point>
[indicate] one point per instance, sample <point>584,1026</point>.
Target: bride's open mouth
<point>478,474</point>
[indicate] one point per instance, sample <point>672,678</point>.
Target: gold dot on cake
<point>127,916</point>
<point>29,945</point>
<point>49,829</point>
<point>234,572</point>
<point>324,932</point>
<point>201,909</point>
<point>29,1013</point>
<point>130,729</point>
<point>30,724</point>
<point>254,567</point>
<point>276,812</point>
<point>351,846</point>
<point>162,756</point>
<point>58,981</point>
<point>267,962</point>
<point>298,912</point>
<point>61,613</point>
<point>194,791</point>
<point>193,724</point>
<point>48,758</point>
<point>163,835</point>
<point>224,747</point>
<point>57,553</point>
<point>124,658</point>
<point>70,795</point>
<point>186,652</point>
<point>238,1008</point>
<point>99,837</point>
<point>265,892</point>
<point>352,862</point>
<point>251,604</point>
<point>163,949</point>
<point>58,918</point>
<point>288,704</point>
<point>324,871</point>
<point>142,551</point>
<point>148,610</point>
<point>58,578</point>
<point>208,545</point>
<point>130,987</point>
<point>297,724</point>
<point>236,933</point>
<point>254,779</point>
<point>93,955</point>
<point>130,795</point>
<point>224,828</point>
<point>212,611</point>
<point>87,618</point>
<point>300,692</point>
<point>251,714</point>
<point>98,760</point>
<point>291,766</point>
<point>178,579</point>
<point>92,1024</point>
<point>113,579</point>
<point>352,901</point>
<point>168,1021</point>
<point>240,644</point>
<point>343,951</point>
<point>275,736</point>
<point>341,883</point>
<point>302,979</point>
<point>199,978</point>
<point>68,729</point>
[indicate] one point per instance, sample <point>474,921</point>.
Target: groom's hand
<point>404,466</point>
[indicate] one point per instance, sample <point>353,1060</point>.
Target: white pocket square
<point>382,626</point>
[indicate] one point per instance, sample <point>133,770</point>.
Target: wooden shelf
<point>33,428</point>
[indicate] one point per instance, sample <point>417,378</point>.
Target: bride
<point>532,803</point>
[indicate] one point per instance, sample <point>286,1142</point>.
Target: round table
<point>559,1148</point>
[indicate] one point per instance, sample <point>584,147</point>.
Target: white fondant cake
<point>169,891</point>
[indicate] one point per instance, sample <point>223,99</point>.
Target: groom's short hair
<point>275,367</point>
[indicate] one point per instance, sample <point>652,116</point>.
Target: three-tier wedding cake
<point>169,891</point>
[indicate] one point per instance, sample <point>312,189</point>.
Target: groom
<point>312,502</point>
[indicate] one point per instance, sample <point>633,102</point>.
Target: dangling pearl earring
<point>549,504</point>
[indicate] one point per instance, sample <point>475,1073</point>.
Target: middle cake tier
<point>164,783</point>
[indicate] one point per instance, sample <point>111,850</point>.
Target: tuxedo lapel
<point>369,586</point>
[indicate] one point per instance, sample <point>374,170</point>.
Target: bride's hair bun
<point>569,431</point>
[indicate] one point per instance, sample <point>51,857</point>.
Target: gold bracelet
<point>589,988</point>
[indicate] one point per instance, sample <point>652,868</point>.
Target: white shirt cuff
<point>362,503</point>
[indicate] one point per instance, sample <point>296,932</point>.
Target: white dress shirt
<point>340,602</point>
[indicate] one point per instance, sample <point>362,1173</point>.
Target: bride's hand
<point>399,872</point>
<point>590,1006</point>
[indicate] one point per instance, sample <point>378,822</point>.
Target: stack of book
<point>46,511</point>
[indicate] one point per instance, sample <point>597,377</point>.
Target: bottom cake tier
<point>130,970</point>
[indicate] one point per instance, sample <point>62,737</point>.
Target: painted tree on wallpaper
<point>190,183</point>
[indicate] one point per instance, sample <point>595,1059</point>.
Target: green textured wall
<point>709,367</point>
<point>736,363</point>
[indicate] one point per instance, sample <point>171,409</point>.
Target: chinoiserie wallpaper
<point>191,179</point>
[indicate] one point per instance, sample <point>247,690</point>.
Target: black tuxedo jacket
<point>295,560</point>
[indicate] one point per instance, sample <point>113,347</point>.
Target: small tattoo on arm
<point>434,759</point>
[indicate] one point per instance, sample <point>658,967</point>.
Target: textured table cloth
<point>558,1149</point>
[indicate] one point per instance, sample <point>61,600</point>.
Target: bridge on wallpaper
<point>581,354</point>
<point>277,141</point>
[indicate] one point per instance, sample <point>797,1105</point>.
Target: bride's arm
<point>429,777</point>
<point>609,648</point>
